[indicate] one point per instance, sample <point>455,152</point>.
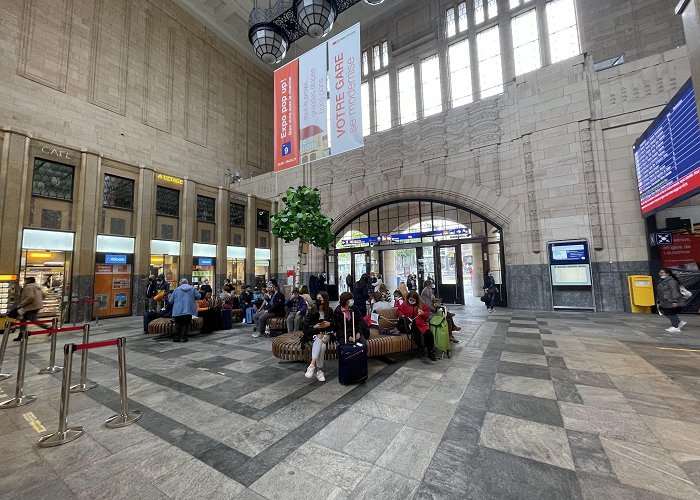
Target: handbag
<point>484,297</point>
<point>685,292</point>
<point>403,324</point>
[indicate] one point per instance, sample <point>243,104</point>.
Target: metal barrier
<point>20,399</point>
<point>83,384</point>
<point>65,434</point>
<point>52,367</point>
<point>6,338</point>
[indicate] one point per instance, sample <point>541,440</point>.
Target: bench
<point>166,326</point>
<point>288,348</point>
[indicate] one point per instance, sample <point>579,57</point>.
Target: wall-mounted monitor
<point>568,252</point>
<point>667,155</point>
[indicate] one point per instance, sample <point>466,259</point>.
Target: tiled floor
<point>531,405</point>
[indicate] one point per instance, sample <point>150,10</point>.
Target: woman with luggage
<point>430,300</point>
<point>418,313</point>
<point>347,315</point>
<point>318,327</point>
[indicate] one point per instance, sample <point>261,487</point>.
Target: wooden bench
<point>166,326</point>
<point>287,346</point>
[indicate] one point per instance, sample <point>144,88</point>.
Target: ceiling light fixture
<point>271,31</point>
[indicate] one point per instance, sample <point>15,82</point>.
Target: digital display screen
<point>667,155</point>
<point>571,275</point>
<point>115,259</point>
<point>569,252</point>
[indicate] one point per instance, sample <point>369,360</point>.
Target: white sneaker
<point>256,334</point>
<point>309,372</point>
<point>320,376</point>
<point>673,329</point>
<point>682,324</point>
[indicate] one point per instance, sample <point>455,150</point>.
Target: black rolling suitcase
<point>352,359</point>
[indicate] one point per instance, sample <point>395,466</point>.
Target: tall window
<point>206,209</point>
<point>407,94</point>
<point>118,192</point>
<point>490,73</point>
<point>478,11</point>
<point>364,89</point>
<point>451,26</point>
<point>563,31</point>
<point>430,85</point>
<point>526,44</point>
<point>462,15</point>
<point>263,220</point>
<point>365,64</point>
<point>492,9</point>
<point>167,201</point>
<point>382,102</point>
<point>376,58</point>
<point>52,180</point>
<point>517,3</point>
<point>236,215</point>
<point>460,73</point>
<point>385,54</point>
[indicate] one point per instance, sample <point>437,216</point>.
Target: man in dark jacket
<point>296,310</point>
<point>274,308</point>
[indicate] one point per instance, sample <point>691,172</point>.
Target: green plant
<point>302,219</point>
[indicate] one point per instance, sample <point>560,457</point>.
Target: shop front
<point>114,260</point>
<point>262,266</point>
<point>235,266</point>
<point>203,264</point>
<point>47,256</point>
<point>165,260</point>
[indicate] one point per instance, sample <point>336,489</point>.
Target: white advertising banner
<point>313,110</point>
<point>345,78</point>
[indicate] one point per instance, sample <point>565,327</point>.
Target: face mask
<point>412,302</point>
<point>351,303</point>
<point>318,303</point>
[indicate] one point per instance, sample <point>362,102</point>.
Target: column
<point>145,219</point>
<point>188,224</point>
<point>690,13</point>
<point>85,214</point>
<point>251,238</point>
<point>14,173</point>
<point>222,230</point>
<point>275,244</point>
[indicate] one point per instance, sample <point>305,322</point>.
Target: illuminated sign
<point>170,179</point>
<point>115,259</point>
<point>205,261</point>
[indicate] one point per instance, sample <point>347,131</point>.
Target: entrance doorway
<point>52,272</point>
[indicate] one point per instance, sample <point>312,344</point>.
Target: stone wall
<point>136,80</point>
<point>549,159</point>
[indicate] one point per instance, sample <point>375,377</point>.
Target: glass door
<point>449,277</point>
<point>360,268</point>
<point>344,272</point>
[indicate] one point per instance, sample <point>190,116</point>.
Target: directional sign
<point>663,238</point>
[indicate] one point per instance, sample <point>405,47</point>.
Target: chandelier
<point>271,31</point>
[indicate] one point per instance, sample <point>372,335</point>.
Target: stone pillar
<point>145,219</point>
<point>188,225</point>
<point>275,253</point>
<point>222,229</point>
<point>14,172</point>
<point>251,237</point>
<point>690,13</point>
<point>478,269</point>
<point>86,199</point>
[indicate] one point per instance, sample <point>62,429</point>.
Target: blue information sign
<point>204,261</point>
<point>667,155</point>
<point>115,259</point>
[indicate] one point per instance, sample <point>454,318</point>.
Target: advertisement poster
<point>683,257</point>
<point>102,301</point>
<point>313,112</point>
<point>110,277</point>
<point>286,141</point>
<point>120,300</point>
<point>121,283</point>
<point>345,78</point>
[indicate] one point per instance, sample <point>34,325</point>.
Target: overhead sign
<point>344,81</point>
<point>460,231</point>
<point>115,259</point>
<point>286,116</point>
<point>313,111</point>
<point>667,155</point>
<point>170,179</point>
<point>205,261</point>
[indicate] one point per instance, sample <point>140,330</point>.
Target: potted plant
<point>302,220</point>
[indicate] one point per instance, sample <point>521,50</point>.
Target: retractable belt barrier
<point>20,398</point>
<point>6,338</point>
<point>83,385</point>
<point>65,434</point>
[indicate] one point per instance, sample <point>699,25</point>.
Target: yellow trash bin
<point>641,293</point>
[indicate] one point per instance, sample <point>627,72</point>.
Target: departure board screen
<point>667,155</point>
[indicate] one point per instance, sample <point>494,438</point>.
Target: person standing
<point>411,283</point>
<point>151,291</point>
<point>669,297</point>
<point>31,300</point>
<point>360,294</point>
<point>184,307</point>
<point>322,282</point>
<point>490,290</point>
<point>348,282</point>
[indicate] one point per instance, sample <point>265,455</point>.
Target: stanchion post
<point>20,399</point>
<point>83,384</point>
<point>64,434</point>
<point>125,417</point>
<point>3,348</point>
<point>52,368</point>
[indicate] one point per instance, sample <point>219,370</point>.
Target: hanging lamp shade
<point>373,2</point>
<point>316,17</point>
<point>269,42</point>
